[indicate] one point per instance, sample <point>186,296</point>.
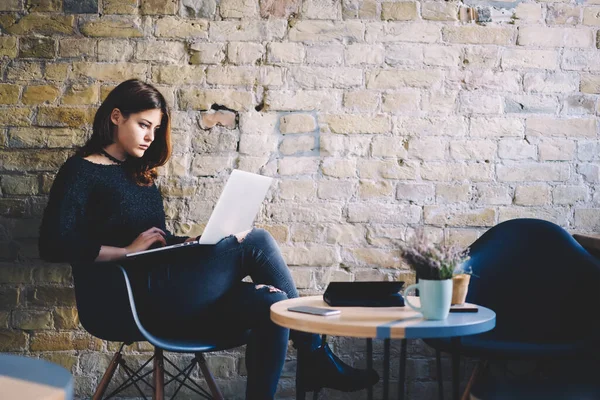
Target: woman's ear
<point>116,116</point>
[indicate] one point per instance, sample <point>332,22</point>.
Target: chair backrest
<point>543,286</point>
<point>103,302</point>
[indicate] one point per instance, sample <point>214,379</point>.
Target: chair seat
<point>196,345</point>
<point>487,345</point>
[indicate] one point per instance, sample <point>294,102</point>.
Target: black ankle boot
<point>320,368</point>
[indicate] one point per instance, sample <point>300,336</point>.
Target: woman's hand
<point>147,239</point>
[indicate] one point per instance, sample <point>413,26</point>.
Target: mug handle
<point>413,286</point>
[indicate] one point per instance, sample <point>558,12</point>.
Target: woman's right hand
<point>147,239</point>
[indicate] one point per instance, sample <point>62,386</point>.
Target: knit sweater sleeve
<point>63,237</point>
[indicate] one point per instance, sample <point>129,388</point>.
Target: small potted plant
<point>435,265</point>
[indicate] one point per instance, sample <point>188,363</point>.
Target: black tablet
<point>364,294</point>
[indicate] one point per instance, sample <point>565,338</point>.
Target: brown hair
<point>130,97</point>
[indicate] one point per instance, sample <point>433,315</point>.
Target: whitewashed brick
<point>211,165</point>
<point>406,101</point>
<point>161,51</point>
<point>569,195</point>
<point>540,36</point>
<point>530,58</point>
<point>257,145</point>
<point>320,77</point>
<point>439,11</point>
<point>555,149</point>
<point>384,213</point>
<point>358,54</point>
<point>528,12</point>
<point>321,9</point>
<point>339,168</point>
<point>452,193</point>
<point>342,145</point>
<point>479,35</point>
<point>385,235</point>
<point>297,190</point>
<point>115,50</point>
<point>335,190</point>
<point>375,189</point>
<point>392,79</point>
<point>533,195</point>
<point>427,148</point>
<point>444,216</point>
<point>238,8</point>
<point>511,149</point>
<point>327,54</point>
<point>563,14</point>
<point>292,53</point>
<point>461,237</point>
<point>297,145</point>
<point>578,60</point>
<point>306,212</point>
<point>387,169</point>
<point>439,102</point>
<point>361,101</point>
<point>493,81</point>
<point>524,172</point>
<point>399,11</point>
<point>587,218</point>
<point>590,172</point>
<point>258,123</point>
<point>207,53</point>
<point>297,123</point>
<point>490,194</point>
<point>419,32</point>
<point>481,56</point>
<point>530,104</point>
<point>420,193</point>
<point>442,56</point>
<point>446,172</point>
<point>247,30</point>
<point>551,82</point>
<point>575,127</point>
<point>203,99</point>
<point>476,103</point>
<point>350,123</point>
<point>232,75</point>
<point>245,53</point>
<point>298,166</point>
<point>403,54</point>
<point>311,255</point>
<point>303,100</point>
<point>393,146</point>
<point>579,104</point>
<point>383,258</point>
<point>462,150</point>
<point>591,16</point>
<point>346,234</point>
<point>433,126</point>
<point>323,31</point>
<point>588,151</point>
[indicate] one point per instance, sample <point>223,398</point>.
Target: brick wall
<point>375,117</point>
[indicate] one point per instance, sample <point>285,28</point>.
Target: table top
<point>380,322</point>
<point>28,378</point>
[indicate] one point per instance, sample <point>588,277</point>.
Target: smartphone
<point>314,310</point>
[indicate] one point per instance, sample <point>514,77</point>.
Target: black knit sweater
<point>91,205</point>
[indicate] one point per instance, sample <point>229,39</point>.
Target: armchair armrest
<point>589,242</point>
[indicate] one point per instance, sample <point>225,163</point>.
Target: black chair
<point>543,287</point>
<point>108,310</point>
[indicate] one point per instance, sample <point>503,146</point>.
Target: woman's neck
<point>116,151</point>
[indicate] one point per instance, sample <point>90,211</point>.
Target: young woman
<point>104,204</point>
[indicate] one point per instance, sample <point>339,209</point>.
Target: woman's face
<point>135,134</point>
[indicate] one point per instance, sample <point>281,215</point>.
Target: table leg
<point>370,366</point>
<point>386,368</point>
<point>402,372</point>
<point>455,368</point>
<point>300,391</point>
<point>438,363</point>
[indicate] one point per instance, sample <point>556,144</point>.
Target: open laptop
<point>234,212</point>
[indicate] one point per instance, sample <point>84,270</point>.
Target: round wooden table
<point>382,323</point>
<point>26,378</point>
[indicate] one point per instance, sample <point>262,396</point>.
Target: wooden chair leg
<point>108,374</point>
<point>159,375</point>
<point>477,372</point>
<point>210,380</point>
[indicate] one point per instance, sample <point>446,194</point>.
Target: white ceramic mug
<point>435,297</point>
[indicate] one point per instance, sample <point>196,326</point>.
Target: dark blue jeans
<point>200,291</point>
